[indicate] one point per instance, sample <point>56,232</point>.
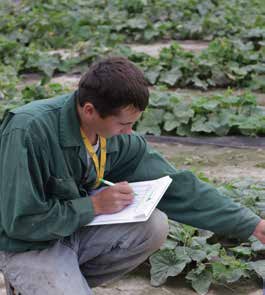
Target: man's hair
<point>111,84</point>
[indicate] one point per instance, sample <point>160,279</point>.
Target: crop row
<point>61,23</point>
<point>224,63</point>
<point>169,113</point>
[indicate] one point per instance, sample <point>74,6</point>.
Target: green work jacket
<point>45,179</point>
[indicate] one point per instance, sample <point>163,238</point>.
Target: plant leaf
<point>259,267</point>
<point>171,77</point>
<point>150,122</point>
<point>201,279</point>
<point>167,263</point>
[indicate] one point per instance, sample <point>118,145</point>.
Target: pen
<point>109,183</point>
<point>106,182</point>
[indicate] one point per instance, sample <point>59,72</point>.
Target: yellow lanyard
<point>99,166</point>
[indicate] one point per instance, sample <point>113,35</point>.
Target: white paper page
<point>146,195</point>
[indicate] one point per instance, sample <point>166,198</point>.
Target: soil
<point>137,283</point>
<point>155,48</point>
<point>220,164</point>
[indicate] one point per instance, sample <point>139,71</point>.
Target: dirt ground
<point>217,163</point>
<point>137,283</point>
<point>155,48</point>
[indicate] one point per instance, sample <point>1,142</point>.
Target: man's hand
<point>259,231</point>
<point>112,199</point>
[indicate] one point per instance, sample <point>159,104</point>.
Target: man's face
<point>117,124</point>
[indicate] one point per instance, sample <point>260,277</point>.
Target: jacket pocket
<point>62,188</point>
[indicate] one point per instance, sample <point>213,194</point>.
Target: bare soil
<point>220,164</point>
<point>155,48</point>
<point>138,283</point>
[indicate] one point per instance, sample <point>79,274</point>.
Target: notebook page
<point>146,195</point>
<point>151,196</point>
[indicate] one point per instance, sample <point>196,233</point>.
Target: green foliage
<point>30,93</point>
<point>170,114</point>
<point>60,23</point>
<point>195,253</point>
<point>224,63</point>
<point>202,262</point>
<point>248,193</point>
<point>167,263</point>
<point>8,82</point>
<point>39,91</point>
<point>30,29</point>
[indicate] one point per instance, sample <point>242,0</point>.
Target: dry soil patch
<point>217,163</point>
<point>155,48</point>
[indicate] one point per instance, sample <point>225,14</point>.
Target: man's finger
<point>124,188</point>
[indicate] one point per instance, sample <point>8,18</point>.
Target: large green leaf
<point>259,267</point>
<point>170,122</point>
<point>205,103</point>
<point>241,250</point>
<point>159,99</point>
<point>152,74</point>
<point>183,112</point>
<point>137,23</point>
<point>223,273</point>
<point>197,255</point>
<point>201,279</point>
<point>150,123</point>
<point>199,124</point>
<point>43,62</point>
<point>184,130</point>
<point>167,263</point>
<point>171,77</point>
<point>181,232</point>
<point>229,269</point>
<point>257,246</point>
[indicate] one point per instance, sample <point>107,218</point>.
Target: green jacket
<point>44,184</point>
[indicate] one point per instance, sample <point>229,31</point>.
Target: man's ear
<point>89,109</point>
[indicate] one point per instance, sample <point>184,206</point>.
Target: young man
<point>53,153</point>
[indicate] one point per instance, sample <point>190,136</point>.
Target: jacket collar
<point>69,124</point>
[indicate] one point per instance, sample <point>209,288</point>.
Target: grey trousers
<point>91,256</point>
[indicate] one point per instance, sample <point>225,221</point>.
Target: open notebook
<point>148,194</point>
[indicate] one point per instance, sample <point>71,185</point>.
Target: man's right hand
<point>112,199</point>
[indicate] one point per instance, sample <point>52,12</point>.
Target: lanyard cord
<point>99,165</point>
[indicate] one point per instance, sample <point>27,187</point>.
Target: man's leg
<point>89,257</point>
<point>107,252</point>
<point>46,272</point>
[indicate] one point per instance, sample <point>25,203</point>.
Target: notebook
<point>147,196</point>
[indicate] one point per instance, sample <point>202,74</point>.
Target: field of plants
<point>225,83</point>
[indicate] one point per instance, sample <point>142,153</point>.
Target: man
<point>53,153</point>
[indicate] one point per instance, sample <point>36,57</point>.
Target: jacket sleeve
<point>27,212</point>
<point>189,200</point>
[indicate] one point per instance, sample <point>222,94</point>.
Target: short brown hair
<point>111,84</point>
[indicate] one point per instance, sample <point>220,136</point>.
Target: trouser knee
<point>157,229</point>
